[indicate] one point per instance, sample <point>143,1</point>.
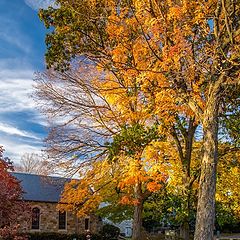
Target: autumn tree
<point>188,73</point>
<point>183,55</point>
<point>103,136</point>
<point>102,120</point>
<point>11,203</point>
<point>182,132</point>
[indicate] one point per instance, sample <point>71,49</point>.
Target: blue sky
<point>22,48</point>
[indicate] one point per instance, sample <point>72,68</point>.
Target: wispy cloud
<point>37,4</point>
<point>14,148</point>
<point>40,119</point>
<point>21,124</point>
<point>11,130</point>
<point>12,36</point>
<point>16,88</point>
<point>17,137</point>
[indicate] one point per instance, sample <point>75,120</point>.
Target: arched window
<point>87,224</point>
<point>62,220</point>
<point>35,218</point>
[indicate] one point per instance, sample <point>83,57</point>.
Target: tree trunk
<point>185,230</point>
<point>137,216</point>
<point>137,221</point>
<point>207,186</point>
<point>185,226</point>
<point>186,161</point>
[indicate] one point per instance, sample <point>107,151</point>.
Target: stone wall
<point>49,221</point>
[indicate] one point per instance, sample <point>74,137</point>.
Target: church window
<point>62,220</point>
<point>87,224</point>
<point>35,218</point>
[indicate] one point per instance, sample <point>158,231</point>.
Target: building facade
<point>43,193</point>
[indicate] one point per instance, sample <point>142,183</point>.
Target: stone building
<point>43,194</point>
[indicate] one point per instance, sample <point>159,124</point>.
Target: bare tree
<point>33,163</point>
<point>82,121</point>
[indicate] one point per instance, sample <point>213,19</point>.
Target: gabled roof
<point>41,188</point>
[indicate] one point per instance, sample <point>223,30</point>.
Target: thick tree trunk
<point>137,221</point>
<point>207,186</point>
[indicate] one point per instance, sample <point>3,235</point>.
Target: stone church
<point>43,194</point>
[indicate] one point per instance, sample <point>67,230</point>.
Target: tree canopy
<point>161,60</point>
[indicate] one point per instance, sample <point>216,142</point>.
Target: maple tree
<point>59,88</point>
<point>95,113</point>
<point>11,204</point>
<point>116,99</point>
<point>109,132</point>
<point>183,55</point>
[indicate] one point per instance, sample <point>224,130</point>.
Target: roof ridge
<point>40,175</point>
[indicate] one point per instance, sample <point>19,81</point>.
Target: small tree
<point>11,204</point>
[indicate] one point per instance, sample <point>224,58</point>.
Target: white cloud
<point>16,87</point>
<point>11,130</point>
<point>14,149</point>
<point>40,119</point>
<point>37,4</point>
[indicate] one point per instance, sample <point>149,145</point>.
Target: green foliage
<point>230,121</point>
<point>116,212</point>
<point>164,208</point>
<point>226,220</point>
<point>131,139</point>
<point>69,38</point>
<point>109,232</point>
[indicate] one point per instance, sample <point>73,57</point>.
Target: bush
<point>50,236</point>
<point>109,232</point>
<point>58,236</point>
<point>11,233</point>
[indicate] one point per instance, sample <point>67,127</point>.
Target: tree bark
<point>185,230</point>
<point>137,216</point>
<point>137,221</point>
<point>185,226</point>
<point>185,154</point>
<point>207,186</point>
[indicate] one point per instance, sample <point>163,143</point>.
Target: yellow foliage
<point>153,65</point>
<point>228,181</point>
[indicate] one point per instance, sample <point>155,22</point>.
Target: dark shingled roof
<point>41,188</point>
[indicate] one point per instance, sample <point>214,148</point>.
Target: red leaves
<point>11,205</point>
